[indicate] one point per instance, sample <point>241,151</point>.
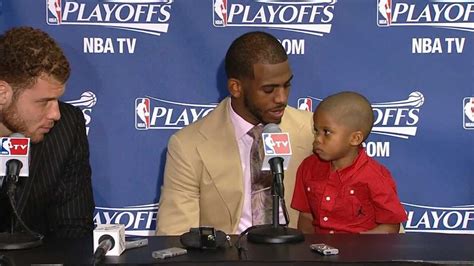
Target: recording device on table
<point>277,150</point>
<point>109,240</point>
<point>204,237</point>
<point>14,163</point>
<point>168,253</point>
<point>324,249</point>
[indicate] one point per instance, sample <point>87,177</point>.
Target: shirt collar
<point>350,170</point>
<point>241,126</point>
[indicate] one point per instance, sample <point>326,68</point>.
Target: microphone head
<point>115,233</point>
<point>107,237</point>
<point>17,135</point>
<point>271,128</point>
<point>14,149</point>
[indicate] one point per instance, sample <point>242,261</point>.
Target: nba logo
<point>276,143</point>
<point>305,104</point>
<point>15,146</point>
<point>220,13</point>
<point>142,113</point>
<point>384,14</point>
<point>53,12</point>
<point>468,113</point>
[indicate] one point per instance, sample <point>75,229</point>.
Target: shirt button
<point>308,189</point>
<point>328,198</point>
<point>325,219</point>
<point>351,192</point>
<point>331,232</point>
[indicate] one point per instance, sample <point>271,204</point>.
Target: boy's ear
<point>6,92</point>
<point>235,87</point>
<point>356,138</point>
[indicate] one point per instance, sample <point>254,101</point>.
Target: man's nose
<point>53,112</point>
<point>281,96</point>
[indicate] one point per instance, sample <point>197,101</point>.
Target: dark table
<point>367,249</point>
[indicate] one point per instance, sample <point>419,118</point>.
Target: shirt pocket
<point>314,191</point>
<point>359,197</point>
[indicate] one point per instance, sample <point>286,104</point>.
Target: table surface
<point>353,248</point>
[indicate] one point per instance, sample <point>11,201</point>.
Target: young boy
<point>339,189</point>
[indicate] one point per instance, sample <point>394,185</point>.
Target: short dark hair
<point>350,109</point>
<point>252,48</point>
<point>26,54</point>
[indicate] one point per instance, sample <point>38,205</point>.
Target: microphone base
<point>268,234</point>
<point>18,241</point>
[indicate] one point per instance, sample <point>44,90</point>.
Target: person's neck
<point>243,113</point>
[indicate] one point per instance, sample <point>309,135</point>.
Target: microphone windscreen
<point>107,237</point>
<point>271,128</point>
<point>17,135</point>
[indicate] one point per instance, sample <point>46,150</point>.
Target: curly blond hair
<point>26,54</point>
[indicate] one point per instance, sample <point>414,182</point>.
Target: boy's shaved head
<point>350,109</point>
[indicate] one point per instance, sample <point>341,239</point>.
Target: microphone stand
<point>275,233</point>
<point>16,240</point>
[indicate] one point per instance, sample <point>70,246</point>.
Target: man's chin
<point>36,138</point>
<point>272,121</point>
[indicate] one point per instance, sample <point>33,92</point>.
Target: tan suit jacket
<point>203,180</point>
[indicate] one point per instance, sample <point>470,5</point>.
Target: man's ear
<point>356,138</point>
<point>235,87</point>
<point>6,92</point>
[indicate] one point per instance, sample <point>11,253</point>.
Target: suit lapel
<point>221,157</point>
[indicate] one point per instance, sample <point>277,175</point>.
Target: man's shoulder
<point>68,109</point>
<point>70,124</point>
<point>298,123</point>
<point>210,122</point>
<point>294,113</point>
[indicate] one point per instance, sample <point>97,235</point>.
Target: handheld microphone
<point>277,150</point>
<point>106,243</point>
<point>14,156</point>
<point>109,240</point>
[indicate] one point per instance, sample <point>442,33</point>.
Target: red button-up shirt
<point>350,200</point>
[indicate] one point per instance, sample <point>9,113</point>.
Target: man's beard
<point>257,112</point>
<point>12,121</point>
<point>253,110</point>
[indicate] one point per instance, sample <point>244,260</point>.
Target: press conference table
<point>393,249</point>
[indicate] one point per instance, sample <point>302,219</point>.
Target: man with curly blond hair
<point>56,199</point>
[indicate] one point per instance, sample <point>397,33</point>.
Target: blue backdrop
<point>144,68</point>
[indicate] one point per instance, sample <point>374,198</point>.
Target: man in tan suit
<point>206,181</point>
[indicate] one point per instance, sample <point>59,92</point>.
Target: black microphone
<point>109,240</point>
<point>14,163</point>
<point>276,161</point>
<point>15,151</point>
<point>106,243</point>
<point>277,151</point>
<point>13,168</point>
<point>276,165</point>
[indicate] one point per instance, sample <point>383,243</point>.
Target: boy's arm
<point>382,228</point>
<point>305,223</point>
